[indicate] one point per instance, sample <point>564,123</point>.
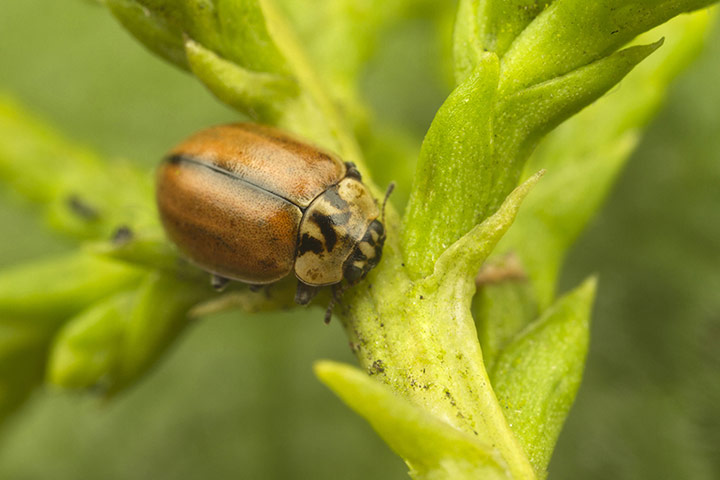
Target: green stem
<point>424,345</point>
<point>419,336</point>
<point>338,132</point>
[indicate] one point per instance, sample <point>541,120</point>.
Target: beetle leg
<point>305,293</point>
<point>337,292</point>
<point>218,283</point>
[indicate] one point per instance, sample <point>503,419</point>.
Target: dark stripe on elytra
<point>309,244</point>
<point>179,158</point>
<point>326,227</point>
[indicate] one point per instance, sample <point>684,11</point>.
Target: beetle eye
<point>353,273</point>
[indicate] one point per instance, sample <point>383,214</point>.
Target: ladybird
<point>251,203</point>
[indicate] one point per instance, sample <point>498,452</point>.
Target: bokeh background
<point>236,398</point>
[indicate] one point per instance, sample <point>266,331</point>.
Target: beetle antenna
<point>389,190</point>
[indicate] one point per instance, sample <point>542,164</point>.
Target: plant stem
<point>338,131</point>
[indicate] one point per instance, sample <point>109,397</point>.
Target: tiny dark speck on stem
<point>378,367</point>
<point>81,208</point>
<point>421,297</point>
<point>122,235</point>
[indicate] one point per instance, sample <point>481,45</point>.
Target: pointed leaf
<point>500,311</point>
<point>86,351</point>
<point>22,355</point>
<point>454,171</point>
<point>537,375</point>
<point>259,95</point>
<point>155,32</point>
<point>113,342</point>
<point>529,114</point>
<point>158,316</point>
<point>48,291</point>
<point>232,29</point>
<point>468,48</point>
<point>431,448</point>
<point>436,361</point>
<point>496,23</point>
<point>584,156</point>
<point>573,33</point>
<point>464,257</point>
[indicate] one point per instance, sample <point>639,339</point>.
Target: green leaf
<point>572,33</point>
<point>501,310</point>
<point>225,43</point>
<point>489,25</point>
<point>114,341</point>
<point>477,145</point>
<point>234,29</point>
<point>431,448</point>
<point>585,155</point>
<point>464,258</point>
<point>86,350</point>
<point>48,291</point>
<point>468,48</point>
<point>501,21</point>
<point>452,177</point>
<point>155,253</point>
<point>419,337</point>
<point>260,95</point>
<point>22,362</point>
<point>148,251</point>
<point>159,315</point>
<point>248,55</point>
<point>155,32</point>
<point>527,115</point>
<point>78,190</point>
<point>536,377</point>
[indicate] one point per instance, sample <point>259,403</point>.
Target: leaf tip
<point>589,287</point>
<point>524,188</point>
<point>330,372</point>
<point>323,368</point>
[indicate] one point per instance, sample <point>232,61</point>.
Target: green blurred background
<point>236,397</point>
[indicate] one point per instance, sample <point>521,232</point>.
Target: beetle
<point>252,203</point>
